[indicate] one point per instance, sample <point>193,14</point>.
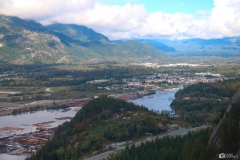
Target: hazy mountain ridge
<point>158,45</point>
<point>224,47</point>
<point>26,41</point>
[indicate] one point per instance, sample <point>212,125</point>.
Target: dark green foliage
<point>189,147</point>
<point>96,124</point>
<point>229,134</point>
<point>14,112</point>
<point>103,103</point>
<point>37,108</point>
<point>204,100</point>
<point>134,128</point>
<point>211,90</point>
<point>45,75</point>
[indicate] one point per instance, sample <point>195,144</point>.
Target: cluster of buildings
<point>164,80</point>
<point>98,81</point>
<point>156,65</point>
<point>208,74</point>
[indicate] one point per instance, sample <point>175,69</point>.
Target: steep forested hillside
<point>204,102</point>
<point>229,134</point>
<point>77,32</point>
<point>106,120</point>
<point>27,42</point>
<point>102,121</point>
<point>196,145</point>
<point>189,147</point>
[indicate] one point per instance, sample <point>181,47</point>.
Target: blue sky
<point>117,19</point>
<point>167,6</point>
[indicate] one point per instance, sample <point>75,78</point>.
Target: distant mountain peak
<point>158,45</point>
<point>27,41</point>
<point>77,32</point>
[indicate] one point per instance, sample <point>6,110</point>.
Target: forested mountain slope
<point>102,121</point>
<point>27,42</point>
<point>203,102</point>
<point>196,145</point>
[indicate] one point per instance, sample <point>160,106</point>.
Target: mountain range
<point>26,42</point>
<point>223,47</point>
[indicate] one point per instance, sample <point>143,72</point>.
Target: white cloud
<point>131,20</point>
<point>203,12</point>
<point>43,9</point>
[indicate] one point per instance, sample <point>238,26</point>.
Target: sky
<point>119,19</point>
<point>167,6</point>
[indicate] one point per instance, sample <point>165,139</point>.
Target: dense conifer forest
<point>100,122</point>
<point>204,102</point>
<point>106,120</point>
<point>191,146</point>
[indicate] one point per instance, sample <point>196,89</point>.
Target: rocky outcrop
<point>214,136</point>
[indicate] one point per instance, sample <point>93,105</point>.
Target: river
<point>159,101</point>
<point>26,121</point>
<point>12,157</point>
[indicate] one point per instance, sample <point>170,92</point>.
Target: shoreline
<point>10,145</point>
<point>19,108</point>
<point>147,99</point>
<point>27,143</point>
<point>34,106</point>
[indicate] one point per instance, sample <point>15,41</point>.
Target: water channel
<point>158,101</point>
<point>26,121</point>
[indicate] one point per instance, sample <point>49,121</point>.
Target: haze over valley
<point>117,80</point>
